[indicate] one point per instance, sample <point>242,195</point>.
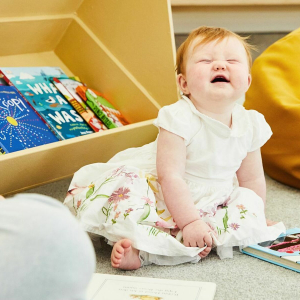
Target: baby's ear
<point>249,80</point>
<point>182,84</point>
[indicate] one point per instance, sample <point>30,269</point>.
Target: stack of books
<point>42,105</point>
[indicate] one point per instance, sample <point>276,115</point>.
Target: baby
<point>201,183</point>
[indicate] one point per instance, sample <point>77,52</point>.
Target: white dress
<point>122,198</point>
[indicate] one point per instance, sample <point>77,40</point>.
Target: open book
<point>118,287</point>
<point>284,251</point>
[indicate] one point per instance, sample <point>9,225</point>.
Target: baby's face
<point>216,71</point>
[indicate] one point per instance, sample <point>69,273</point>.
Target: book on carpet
<point>20,126</point>
<point>284,251</point>
<point>105,111</point>
<point>34,83</point>
<point>119,287</point>
<point>68,87</point>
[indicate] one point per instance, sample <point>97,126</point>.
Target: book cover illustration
<point>105,111</point>
<point>284,251</point>
<point>20,126</point>
<point>2,151</point>
<point>68,88</point>
<point>2,81</point>
<point>117,287</point>
<point>34,83</point>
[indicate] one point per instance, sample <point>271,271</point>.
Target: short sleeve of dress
<point>261,130</point>
<point>178,119</point>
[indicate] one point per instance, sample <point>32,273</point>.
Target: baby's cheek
<point>241,82</point>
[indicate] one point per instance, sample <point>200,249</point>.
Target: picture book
<point>117,287</point>
<point>1,150</point>
<point>284,251</point>
<point>34,83</point>
<point>2,81</point>
<point>68,87</point>
<point>105,111</point>
<point>20,126</point>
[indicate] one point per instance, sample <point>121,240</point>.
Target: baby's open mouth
<point>219,78</point>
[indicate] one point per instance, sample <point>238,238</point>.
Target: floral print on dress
<point>127,212</point>
<point>234,226</point>
<point>225,222</point>
<point>243,210</point>
<point>123,193</point>
<point>93,191</point>
<point>119,195</point>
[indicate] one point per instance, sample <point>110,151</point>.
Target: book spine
<point>59,137</point>
<point>77,106</point>
<point>92,103</point>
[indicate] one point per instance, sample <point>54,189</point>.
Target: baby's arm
<point>251,175</point>
<point>171,160</point>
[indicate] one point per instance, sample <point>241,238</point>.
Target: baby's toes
<point>115,260</point>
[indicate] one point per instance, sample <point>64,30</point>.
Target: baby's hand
<point>197,234</point>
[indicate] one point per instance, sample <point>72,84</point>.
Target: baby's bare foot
<point>270,222</point>
<point>124,256</point>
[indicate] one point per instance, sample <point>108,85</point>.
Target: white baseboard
<point>237,18</point>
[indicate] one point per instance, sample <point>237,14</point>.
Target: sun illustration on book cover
<point>18,124</point>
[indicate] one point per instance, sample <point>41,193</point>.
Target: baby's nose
<point>219,65</point>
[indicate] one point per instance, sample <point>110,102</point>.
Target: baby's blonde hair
<point>209,34</point>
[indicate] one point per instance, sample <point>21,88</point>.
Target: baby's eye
<point>232,60</point>
<point>207,61</point>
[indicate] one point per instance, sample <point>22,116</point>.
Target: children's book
<point>105,111</point>
<point>34,83</point>
<point>1,150</point>
<point>284,251</point>
<point>20,126</point>
<point>2,81</point>
<point>119,287</point>
<point>68,87</point>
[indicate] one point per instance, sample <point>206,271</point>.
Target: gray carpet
<point>242,277</point>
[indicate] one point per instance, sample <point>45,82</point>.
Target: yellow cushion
<point>275,92</point>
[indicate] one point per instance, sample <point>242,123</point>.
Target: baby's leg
<point>124,256</point>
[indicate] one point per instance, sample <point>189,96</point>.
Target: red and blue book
<point>105,111</point>
<point>20,126</point>
<point>68,87</point>
<point>284,251</point>
<point>36,86</point>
